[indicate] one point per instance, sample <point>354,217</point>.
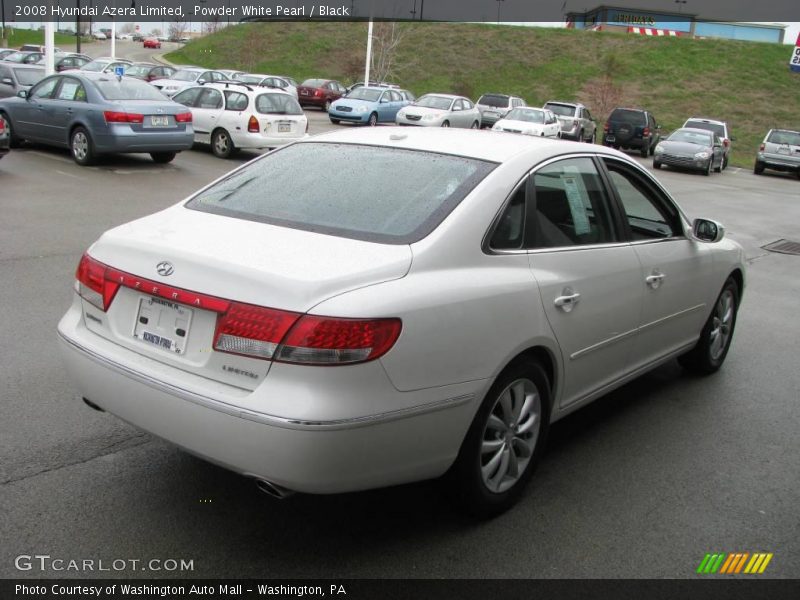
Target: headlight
<point>362,109</point>
<point>701,155</point>
<point>429,117</point>
<point>659,148</point>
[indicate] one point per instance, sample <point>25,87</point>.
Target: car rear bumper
<point>784,162</point>
<point>173,141</point>
<point>256,141</point>
<point>224,424</point>
<point>353,117</point>
<point>311,101</point>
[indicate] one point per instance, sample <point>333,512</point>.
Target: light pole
<point>498,10</point>
<point>414,11</point>
<point>680,4</point>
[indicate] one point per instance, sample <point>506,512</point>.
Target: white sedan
<point>530,121</point>
<point>440,110</point>
<point>235,116</point>
<point>377,306</point>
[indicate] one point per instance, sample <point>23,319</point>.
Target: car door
<point>189,99</point>
<point>470,114</point>
<point>205,115</point>
<point>589,277</point>
<point>674,268</point>
<point>34,121</point>
<point>69,101</point>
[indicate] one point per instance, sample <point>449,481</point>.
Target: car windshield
<point>562,110</point>
<point>186,75</point>
<point>28,76</point>
<point>781,136</point>
<point>366,195</point>
<point>528,115</point>
<point>138,70</point>
<point>15,57</point>
<point>313,83</point>
<point>277,104</point>
<point>713,127</point>
<point>127,89</point>
<point>95,66</point>
<point>364,94</point>
<point>439,102</point>
<point>496,100</point>
<point>692,137</point>
<point>629,116</point>
<point>249,78</point>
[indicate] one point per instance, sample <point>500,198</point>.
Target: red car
<point>319,92</point>
<point>151,43</point>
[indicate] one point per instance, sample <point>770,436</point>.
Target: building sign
<point>794,61</point>
<point>630,19</point>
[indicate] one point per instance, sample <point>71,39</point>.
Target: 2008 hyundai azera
<point>373,307</point>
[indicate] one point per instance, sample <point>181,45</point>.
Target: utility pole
<point>369,53</point>
<point>78,26</point>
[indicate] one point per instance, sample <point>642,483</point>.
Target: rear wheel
<point>715,339</point>
<point>163,158</point>
<point>13,140</point>
<point>373,120</point>
<point>645,149</point>
<point>475,125</point>
<point>81,147</point>
<point>758,169</point>
<point>505,440</point>
<point>446,124</point>
<point>334,121</point>
<point>656,164</point>
<point>221,144</point>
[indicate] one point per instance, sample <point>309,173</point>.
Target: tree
<point>155,32</point>
<point>177,29</point>
<point>386,41</point>
<point>126,28</point>
<point>602,94</point>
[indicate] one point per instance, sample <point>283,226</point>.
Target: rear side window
<point>235,101</point>
<point>631,117</point>
<point>562,110</point>
<point>348,190</point>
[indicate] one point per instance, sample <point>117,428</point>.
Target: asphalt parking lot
<point>642,483</point>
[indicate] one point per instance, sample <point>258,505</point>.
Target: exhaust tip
<point>273,489</point>
<point>91,404</point>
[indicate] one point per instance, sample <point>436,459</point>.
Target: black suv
<point>632,128</point>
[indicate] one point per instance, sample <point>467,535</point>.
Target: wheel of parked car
<point>724,162</point>
<point>80,144</point>
<point>715,339</point>
<point>718,169</point>
<point>163,157</point>
<point>373,120</point>
<point>758,169</point>
<point>593,139</point>
<point>475,125</point>
<point>327,105</point>
<point>221,144</point>
<point>645,149</point>
<point>707,171</point>
<point>13,140</point>
<point>656,165</point>
<point>505,440</point>
<point>446,124</point>
<point>334,121</point>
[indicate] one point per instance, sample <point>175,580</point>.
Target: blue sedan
<point>98,113</point>
<point>368,105</point>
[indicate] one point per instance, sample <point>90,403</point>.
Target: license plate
<point>610,138</point>
<point>303,93</point>
<point>783,149</point>
<point>159,121</point>
<point>284,127</point>
<point>163,324</point>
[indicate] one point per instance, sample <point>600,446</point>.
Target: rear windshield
<point>526,114</point>
<point>28,76</point>
<point>313,83</point>
<point>632,117</point>
<point>496,100</point>
<point>127,89</point>
<point>714,127</point>
<point>277,104</point>
<point>562,110</point>
<point>784,137</point>
<point>347,190</point>
<point>692,137</point>
<point>186,75</point>
<point>434,102</point>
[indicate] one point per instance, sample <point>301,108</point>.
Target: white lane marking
<point>68,174</point>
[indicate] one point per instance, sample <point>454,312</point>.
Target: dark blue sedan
<point>99,113</point>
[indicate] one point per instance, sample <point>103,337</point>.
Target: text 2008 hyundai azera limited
<point>373,307</point>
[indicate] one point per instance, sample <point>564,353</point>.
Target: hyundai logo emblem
<point>165,268</point>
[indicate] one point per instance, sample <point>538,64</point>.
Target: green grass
<point>746,83</point>
<point>18,37</point>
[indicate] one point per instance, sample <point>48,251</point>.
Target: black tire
<point>593,139</point>
<point>446,124</point>
<point>645,150</point>
<point>81,147</point>
<point>758,169</point>
<point>163,158</point>
<point>724,162</point>
<point>475,125</point>
<point>13,140</point>
<point>707,357</point>
<point>334,121</point>
<point>222,144</point>
<point>707,170</point>
<point>656,164</point>
<point>523,381</point>
<point>720,167</point>
<point>373,120</point>
<point>327,106</point>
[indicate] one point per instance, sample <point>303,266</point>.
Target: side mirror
<point>707,230</point>
<point>7,81</point>
<point>384,100</point>
<point>201,81</point>
<point>23,94</point>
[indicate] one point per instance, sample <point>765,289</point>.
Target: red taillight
<point>3,125</point>
<point>113,116</point>
<point>317,93</point>
<point>761,147</point>
<point>318,340</point>
<point>252,330</point>
<point>252,125</point>
<point>93,283</point>
<point>726,142</point>
<point>184,117</point>
<point>646,132</point>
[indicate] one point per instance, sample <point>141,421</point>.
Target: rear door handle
<point>568,300</point>
<point>655,279</point>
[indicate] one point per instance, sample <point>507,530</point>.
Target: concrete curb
<point>159,58</point>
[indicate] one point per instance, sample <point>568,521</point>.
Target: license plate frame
<point>284,127</point>
<point>163,324</point>
<point>784,150</point>
<point>611,138</point>
<point>159,121</point>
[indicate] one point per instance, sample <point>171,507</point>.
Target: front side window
<point>571,205</point>
<point>45,89</point>
<point>649,216</point>
<point>347,190</point>
<point>188,97</point>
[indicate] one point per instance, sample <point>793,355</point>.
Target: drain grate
<point>784,247</point>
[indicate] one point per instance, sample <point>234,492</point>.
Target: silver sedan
<point>441,110</point>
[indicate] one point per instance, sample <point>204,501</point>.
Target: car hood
<point>248,261</point>
<point>683,147</point>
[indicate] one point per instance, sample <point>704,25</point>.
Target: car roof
<point>704,120</point>
<point>449,96</point>
<point>695,130</point>
<point>242,87</point>
<point>491,146</point>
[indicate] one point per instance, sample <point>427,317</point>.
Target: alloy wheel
<point>721,324</point>
<point>80,146</point>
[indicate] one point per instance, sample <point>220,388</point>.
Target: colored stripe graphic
<point>734,563</point>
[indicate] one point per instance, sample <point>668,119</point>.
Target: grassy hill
<point>18,37</point>
<point>748,84</point>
